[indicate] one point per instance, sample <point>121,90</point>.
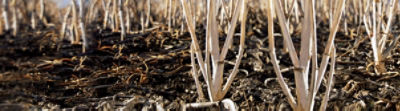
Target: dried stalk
<point>148,13</point>
<point>33,21</point>
<point>241,50</point>
<point>42,8</point>
<point>114,17</point>
<point>92,11</point>
<point>305,95</point>
<point>15,21</point>
<point>72,35</point>
<point>5,15</point>
<point>1,27</point>
<point>187,11</point>
<point>293,55</point>
<point>329,47</point>
<point>226,104</point>
<point>75,22</point>
<point>200,105</point>
<point>378,39</point>
<point>127,18</point>
<point>194,74</point>
<point>121,19</point>
<point>106,15</point>
<point>271,43</point>
<point>142,23</point>
<point>169,15</point>
<point>386,52</point>
<point>374,39</point>
<point>82,26</point>
<point>64,24</point>
<point>324,102</point>
<point>214,78</point>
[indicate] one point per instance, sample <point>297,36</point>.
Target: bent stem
<point>194,74</point>
<point>308,54</point>
<point>272,54</point>
<point>214,58</point>
<point>330,82</point>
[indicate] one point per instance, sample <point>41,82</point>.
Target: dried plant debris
<point>199,55</point>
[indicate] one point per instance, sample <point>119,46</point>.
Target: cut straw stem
<point>5,15</point>
<point>15,18</point>
<point>235,70</point>
<point>64,24</point>
<point>42,8</point>
<point>82,26</point>
<point>272,54</point>
<point>329,47</point>
<point>194,74</point>
<point>121,19</point>
<point>106,15</point>
<point>324,102</point>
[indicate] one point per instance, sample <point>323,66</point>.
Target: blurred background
<point>62,3</point>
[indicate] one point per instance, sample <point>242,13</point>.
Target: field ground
<point>38,71</point>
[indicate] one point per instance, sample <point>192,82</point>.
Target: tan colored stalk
<point>72,35</point>
<point>75,23</point>
<point>121,19</point>
<point>91,11</point>
<point>329,47</point>
<point>173,15</point>
<point>207,58</point>
<point>226,104</point>
<point>183,25</point>
<point>308,52</point>
<point>5,15</point>
<point>82,26</point>
<point>194,74</point>
<point>106,15</point>
<point>189,21</point>
<point>373,28</point>
<point>271,44</point>
<point>235,70</point>
<point>394,43</point>
<point>200,105</point>
<point>214,48</point>
<point>64,24</point>
<point>128,22</point>
<point>299,80</point>
<point>142,22</point>
<point>325,100</point>
<point>1,27</point>
<point>33,21</point>
<point>148,13</point>
<point>15,23</point>
<point>103,5</point>
<point>215,58</point>
<point>378,61</point>
<point>42,8</point>
<point>285,32</point>
<point>15,18</point>
<point>169,16</point>
<point>374,38</point>
<point>392,9</point>
<point>114,17</point>
<point>166,10</point>
<point>307,33</point>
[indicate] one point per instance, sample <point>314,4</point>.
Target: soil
<point>40,71</point>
